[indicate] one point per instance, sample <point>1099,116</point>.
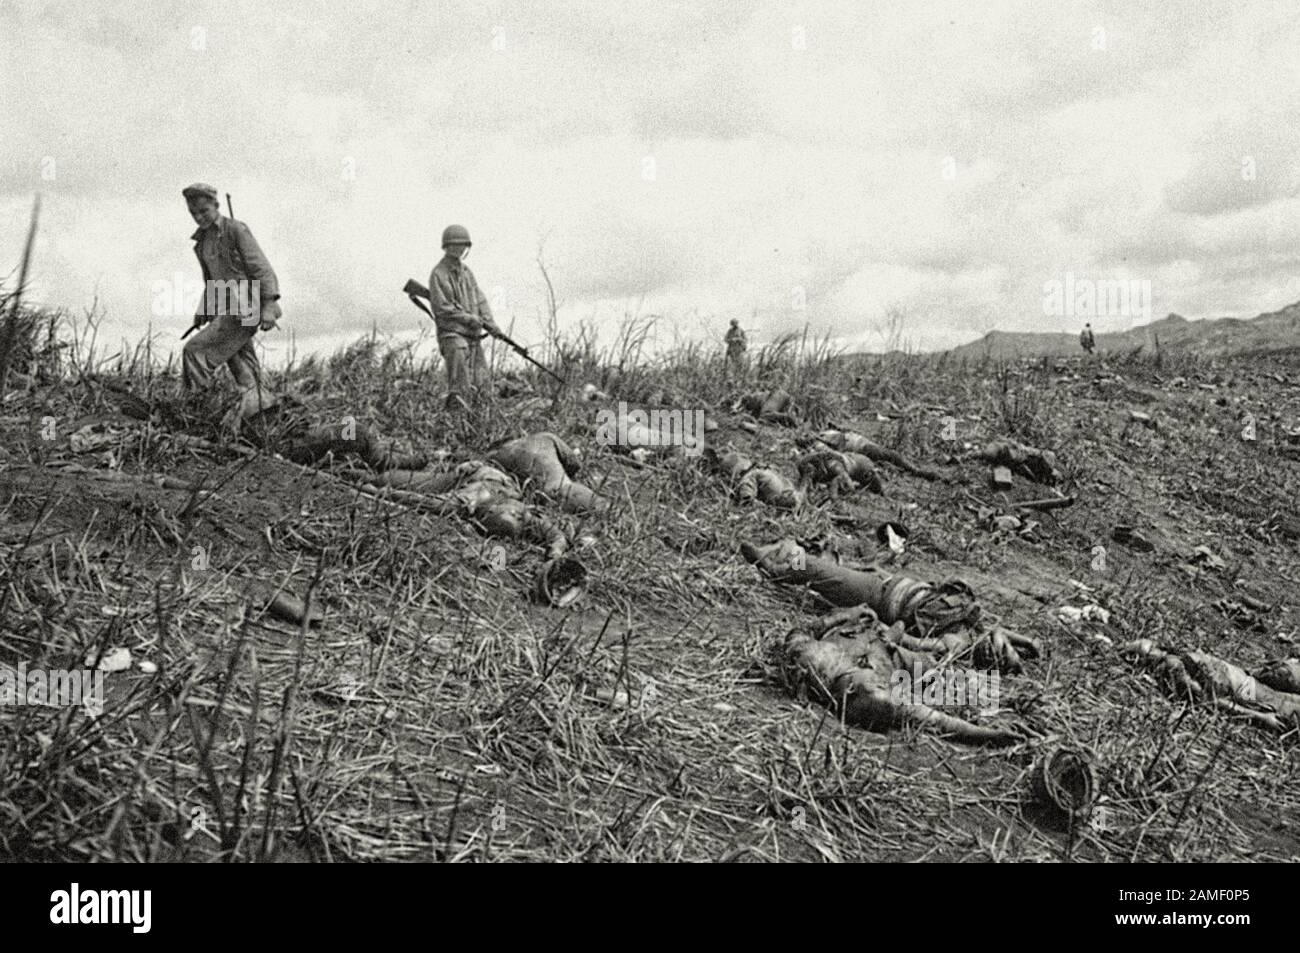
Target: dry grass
<point>439,714</point>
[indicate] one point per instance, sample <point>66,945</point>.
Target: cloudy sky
<point>784,163</point>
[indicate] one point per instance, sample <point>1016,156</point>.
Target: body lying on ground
<point>851,442</point>
<point>441,481</point>
<point>851,664</point>
<point>642,433</point>
<point>547,465</point>
<point>351,439</point>
<point>843,472</point>
<point>997,649</point>
<point>750,482</point>
<point>776,407</point>
<point>286,427</point>
<point>1031,462</point>
<point>474,490</point>
<point>514,519</point>
<point>1282,675</point>
<point>480,493</point>
<point>941,617</point>
<point>1204,677</point>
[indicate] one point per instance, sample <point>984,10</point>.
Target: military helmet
<point>455,235</point>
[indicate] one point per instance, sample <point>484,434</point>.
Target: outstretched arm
<point>950,726</point>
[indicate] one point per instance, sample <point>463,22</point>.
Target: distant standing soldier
<point>240,295</point>
<point>735,346</point>
<point>1086,340</point>
<point>462,315</point>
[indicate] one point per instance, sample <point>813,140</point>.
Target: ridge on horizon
<point>1217,337</point>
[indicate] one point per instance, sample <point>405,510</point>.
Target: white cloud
<point>800,154</point>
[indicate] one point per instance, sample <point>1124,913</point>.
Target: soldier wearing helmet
<point>735,340</point>
<point>462,316</point>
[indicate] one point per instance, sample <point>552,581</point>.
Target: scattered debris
<point>1050,503</point>
<point>1088,613</point>
<point>1132,538</point>
<point>1144,419</point>
<point>1066,781</point>
<point>1250,602</point>
<point>560,582</point>
<point>116,659</point>
<point>894,535</point>
<point>1240,616</point>
<point>1205,557</point>
<point>284,605</point>
<point>95,437</point>
<point>614,698</point>
<point>1005,523</point>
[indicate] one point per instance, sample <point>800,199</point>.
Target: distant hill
<point>1215,337</point>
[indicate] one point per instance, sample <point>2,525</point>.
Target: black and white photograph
<point>747,431</point>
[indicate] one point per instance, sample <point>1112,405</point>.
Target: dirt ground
<point>440,713</point>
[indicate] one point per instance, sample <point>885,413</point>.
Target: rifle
<point>415,291</point>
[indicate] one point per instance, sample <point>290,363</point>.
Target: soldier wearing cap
<point>240,295</point>
<point>462,316</point>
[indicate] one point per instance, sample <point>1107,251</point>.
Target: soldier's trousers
<point>466,369</point>
<point>224,340</point>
